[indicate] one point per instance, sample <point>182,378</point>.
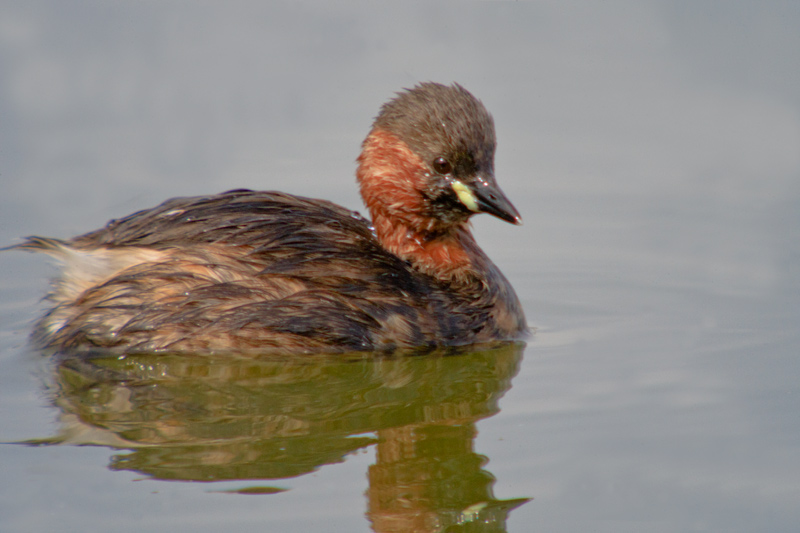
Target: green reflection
<point>232,418</point>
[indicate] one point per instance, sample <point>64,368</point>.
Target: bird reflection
<point>230,418</point>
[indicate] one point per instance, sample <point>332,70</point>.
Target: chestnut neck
<point>392,177</point>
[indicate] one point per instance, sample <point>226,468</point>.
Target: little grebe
<point>268,271</point>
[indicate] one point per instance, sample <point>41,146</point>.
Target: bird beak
<point>486,197</point>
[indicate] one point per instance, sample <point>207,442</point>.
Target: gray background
<point>653,149</point>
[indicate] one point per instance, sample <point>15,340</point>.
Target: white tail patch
<point>83,269</point>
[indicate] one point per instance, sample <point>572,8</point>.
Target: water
<point>654,153</point>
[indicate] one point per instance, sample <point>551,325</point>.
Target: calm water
<point>654,152</point>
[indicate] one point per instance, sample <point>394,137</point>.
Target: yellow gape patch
<point>465,196</point>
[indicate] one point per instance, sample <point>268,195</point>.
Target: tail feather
<point>35,243</point>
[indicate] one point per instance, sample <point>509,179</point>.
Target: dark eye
<point>442,165</point>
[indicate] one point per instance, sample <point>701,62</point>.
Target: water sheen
<point>653,151</point>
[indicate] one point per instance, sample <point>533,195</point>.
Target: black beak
<point>490,199</point>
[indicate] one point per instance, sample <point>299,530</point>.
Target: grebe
<point>273,272</point>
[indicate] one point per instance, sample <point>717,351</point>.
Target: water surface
<point>653,150</point>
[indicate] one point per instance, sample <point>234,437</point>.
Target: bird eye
<point>442,165</point>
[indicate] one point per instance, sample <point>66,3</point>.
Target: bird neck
<point>392,177</point>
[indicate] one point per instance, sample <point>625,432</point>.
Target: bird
<point>270,272</point>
